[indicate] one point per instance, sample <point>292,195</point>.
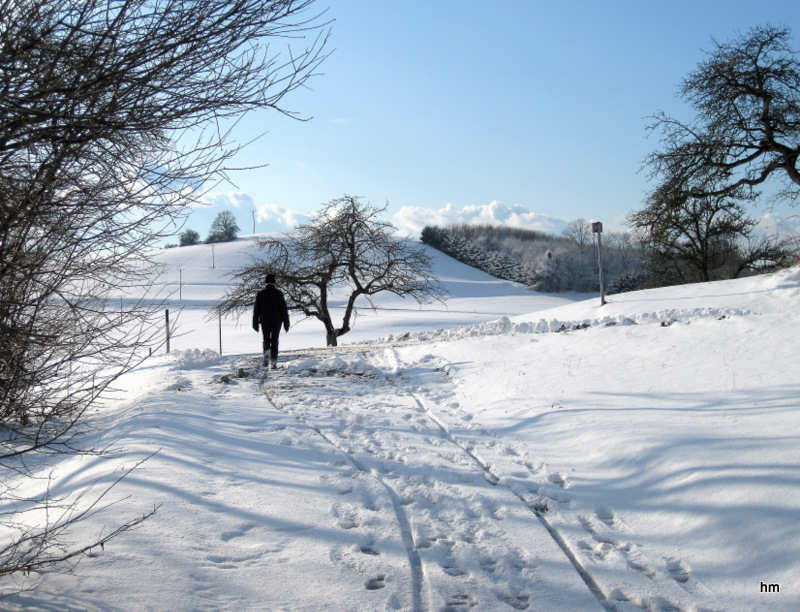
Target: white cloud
<point>776,224</point>
<point>411,219</point>
<point>236,199</point>
<point>279,218</point>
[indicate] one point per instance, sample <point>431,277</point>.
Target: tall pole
<point>254,222</point>
<point>213,260</point>
<point>167,326</point>
<point>220,333</point>
<point>597,228</point>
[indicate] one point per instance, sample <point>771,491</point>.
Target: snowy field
<point>505,450</point>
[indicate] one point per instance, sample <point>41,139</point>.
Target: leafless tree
<point>114,116</point>
<point>699,239</point>
<point>580,230</point>
<point>345,247</point>
<point>747,98</point>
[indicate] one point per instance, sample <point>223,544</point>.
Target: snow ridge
<point>505,325</point>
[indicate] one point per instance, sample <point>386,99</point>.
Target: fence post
<point>167,323</point>
<point>220,334</point>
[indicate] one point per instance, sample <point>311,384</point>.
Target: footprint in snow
<point>647,571</point>
<point>678,570</point>
<point>489,565</point>
<point>518,602</point>
<point>221,562</point>
<point>460,602</point>
<point>556,495</point>
<point>605,514</point>
<point>558,480</point>
<point>227,536</point>
<point>378,582</point>
<point>454,570</point>
<point>534,468</point>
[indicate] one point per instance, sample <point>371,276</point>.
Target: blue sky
<point>524,112</point>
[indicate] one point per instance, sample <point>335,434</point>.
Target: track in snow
<point>472,509</point>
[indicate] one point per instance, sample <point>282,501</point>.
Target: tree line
<point>545,262</point>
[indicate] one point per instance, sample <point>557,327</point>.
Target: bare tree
<point>346,247</point>
<point>691,239</point>
<point>580,230</point>
<point>747,98</point>
<point>114,116</point>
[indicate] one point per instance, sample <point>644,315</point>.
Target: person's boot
<point>274,363</point>
<point>265,360</point>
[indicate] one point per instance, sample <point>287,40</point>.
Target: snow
<point>505,450</point>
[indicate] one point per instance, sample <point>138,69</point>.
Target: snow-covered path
<point>479,520</point>
<point>431,527</point>
<point>642,455</point>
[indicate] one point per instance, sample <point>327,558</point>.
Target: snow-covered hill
<point>639,455</point>
<point>193,279</point>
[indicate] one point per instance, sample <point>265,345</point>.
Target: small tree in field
<point>224,228</point>
<point>189,238</point>
<point>345,248</point>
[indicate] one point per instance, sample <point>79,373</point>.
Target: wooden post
<point>167,320</point>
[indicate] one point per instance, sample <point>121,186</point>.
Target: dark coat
<point>270,309</point>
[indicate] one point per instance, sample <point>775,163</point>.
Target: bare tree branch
<point>115,116</point>
<point>747,99</point>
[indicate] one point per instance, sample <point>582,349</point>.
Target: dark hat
<point>270,279</point>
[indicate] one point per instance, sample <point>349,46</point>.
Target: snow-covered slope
<point>640,455</point>
<point>193,278</point>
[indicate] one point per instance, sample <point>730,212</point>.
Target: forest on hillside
<point>545,262</point>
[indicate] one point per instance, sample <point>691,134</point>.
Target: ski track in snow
<point>470,510</point>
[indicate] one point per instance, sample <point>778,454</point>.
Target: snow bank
<point>191,359</point>
<point>506,325</point>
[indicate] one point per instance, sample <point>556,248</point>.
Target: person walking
<point>270,312</point>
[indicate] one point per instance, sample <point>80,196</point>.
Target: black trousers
<point>271,335</point>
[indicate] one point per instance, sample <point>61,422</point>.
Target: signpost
<point>597,228</point>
